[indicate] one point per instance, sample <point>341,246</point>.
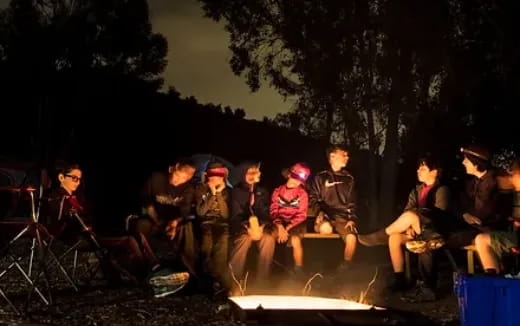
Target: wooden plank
<point>471,262</point>
<point>321,236</point>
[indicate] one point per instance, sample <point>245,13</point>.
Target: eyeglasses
<point>74,178</point>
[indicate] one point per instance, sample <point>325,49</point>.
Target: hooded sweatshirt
<point>289,205</point>
<point>334,194</point>
<point>241,208</point>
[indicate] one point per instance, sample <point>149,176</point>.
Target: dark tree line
<point>389,77</point>
<point>80,79</point>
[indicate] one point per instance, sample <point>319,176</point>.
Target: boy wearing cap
<point>332,196</point>
<point>478,203</point>
<point>212,206</point>
<point>288,210</point>
<point>492,245</point>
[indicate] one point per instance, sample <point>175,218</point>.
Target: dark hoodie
<point>240,202</point>
<point>170,202</point>
<point>480,199</point>
<point>57,212</point>
<point>334,194</point>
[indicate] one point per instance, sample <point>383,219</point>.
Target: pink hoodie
<point>289,206</point>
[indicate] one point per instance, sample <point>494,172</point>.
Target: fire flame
<point>286,302</point>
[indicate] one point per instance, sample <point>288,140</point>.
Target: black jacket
<point>58,210</point>
<point>480,199</point>
<point>170,202</point>
<point>437,198</point>
<point>212,208</point>
<point>334,194</point>
<point>240,210</point>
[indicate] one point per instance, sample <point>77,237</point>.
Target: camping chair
<point>95,247</point>
<point>41,245</point>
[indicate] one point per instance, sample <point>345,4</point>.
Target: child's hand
<point>283,235</point>
<point>351,226</point>
<point>171,229</point>
<point>410,233</point>
<point>470,219</point>
<point>219,187</point>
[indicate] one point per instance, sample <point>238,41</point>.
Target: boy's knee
<point>296,241</point>
<point>482,239</point>
<point>395,240</point>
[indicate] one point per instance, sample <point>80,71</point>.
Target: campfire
<point>308,310</point>
<point>286,302</point>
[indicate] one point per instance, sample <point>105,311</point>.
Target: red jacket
<point>289,206</point>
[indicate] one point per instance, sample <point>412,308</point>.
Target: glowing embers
<point>285,302</point>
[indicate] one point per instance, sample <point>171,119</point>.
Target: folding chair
<point>41,243</point>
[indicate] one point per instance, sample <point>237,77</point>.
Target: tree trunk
<point>389,168</point>
<point>373,202</point>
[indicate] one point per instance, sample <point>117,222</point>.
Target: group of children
<point>201,222</point>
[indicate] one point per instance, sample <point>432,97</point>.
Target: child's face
<point>215,180</point>
<point>71,180</point>
<point>424,173</point>
<point>253,175</point>
<point>183,175</point>
<point>339,158</point>
<point>293,183</point>
<point>469,166</point>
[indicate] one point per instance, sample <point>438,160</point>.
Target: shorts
<point>339,225</point>
<point>299,230</point>
<point>502,241</point>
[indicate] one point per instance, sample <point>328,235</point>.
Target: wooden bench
<point>408,273</point>
<point>314,235</point>
<point>470,254</point>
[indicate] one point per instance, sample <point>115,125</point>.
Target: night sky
<point>198,60</point>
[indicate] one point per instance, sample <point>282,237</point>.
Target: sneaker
<point>398,283</point>
<point>165,282</point>
<point>162,291</point>
<point>420,293</point>
<point>298,272</point>
<point>427,241</point>
<point>168,278</point>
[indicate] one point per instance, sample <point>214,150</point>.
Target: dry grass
<point>308,287</point>
<point>242,285</point>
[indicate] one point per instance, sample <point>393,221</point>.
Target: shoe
<point>167,277</point>
<point>298,272</point>
<point>398,284</point>
<point>162,291</point>
<point>426,241</point>
<point>165,282</point>
<point>421,293</point>
<point>378,238</point>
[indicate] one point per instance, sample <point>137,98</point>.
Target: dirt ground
<point>101,304</point>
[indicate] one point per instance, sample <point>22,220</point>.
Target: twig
<point>363,294</point>
<point>245,284</point>
<point>242,290</point>
<point>307,288</point>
